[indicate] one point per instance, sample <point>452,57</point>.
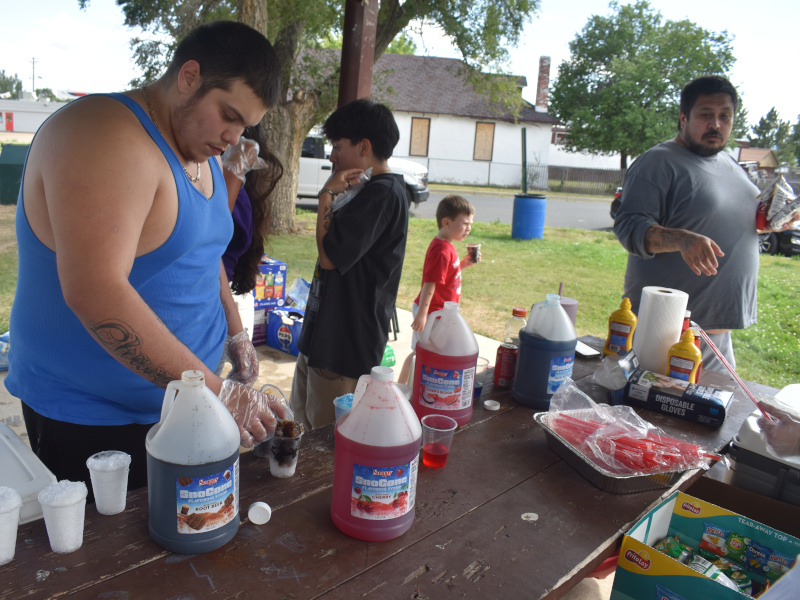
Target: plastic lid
<point>519,312</point>
<point>382,373</point>
<point>259,513</point>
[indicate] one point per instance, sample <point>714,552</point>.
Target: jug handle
<point>169,398</point>
<point>426,333</point>
<point>361,387</point>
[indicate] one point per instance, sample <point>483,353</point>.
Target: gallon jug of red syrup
<point>193,469</point>
<point>375,464</point>
<point>444,368</point>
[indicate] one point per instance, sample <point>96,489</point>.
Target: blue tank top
<point>59,370</point>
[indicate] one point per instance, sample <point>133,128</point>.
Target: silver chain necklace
<point>153,119</point>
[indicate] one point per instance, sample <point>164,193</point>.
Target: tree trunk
<point>623,161</point>
<point>286,126</point>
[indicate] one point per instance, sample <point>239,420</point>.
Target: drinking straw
<point>728,366</point>
<point>560,288</point>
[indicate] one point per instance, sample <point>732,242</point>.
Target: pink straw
<point>711,344</point>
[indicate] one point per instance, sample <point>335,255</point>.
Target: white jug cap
<point>259,513</point>
<point>382,373</point>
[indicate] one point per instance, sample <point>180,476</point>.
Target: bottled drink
<point>193,469</point>
<point>444,368</point>
<point>514,324</point>
<point>546,356</point>
<point>376,459</point>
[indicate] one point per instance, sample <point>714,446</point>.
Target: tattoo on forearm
<point>327,216</point>
<point>666,240</point>
<point>122,342</point>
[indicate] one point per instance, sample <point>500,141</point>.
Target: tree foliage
<point>620,89</point>
<point>773,133</point>
<point>10,83</point>
<point>482,30</point>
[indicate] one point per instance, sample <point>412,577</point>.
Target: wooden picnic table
<point>505,518</point>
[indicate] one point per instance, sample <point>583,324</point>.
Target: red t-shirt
<point>443,268</point>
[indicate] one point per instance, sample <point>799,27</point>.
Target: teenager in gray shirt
<point>688,219</point>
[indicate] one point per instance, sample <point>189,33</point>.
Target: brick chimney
<point>543,84</point>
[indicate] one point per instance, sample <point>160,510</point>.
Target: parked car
<point>315,169</point>
<point>786,242</point>
<point>615,203</point>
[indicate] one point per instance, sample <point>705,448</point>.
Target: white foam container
<point>22,470</point>
<point>755,469</point>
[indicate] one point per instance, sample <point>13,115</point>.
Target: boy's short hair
<point>451,207</point>
<point>364,119</point>
<point>705,86</point>
<point>226,51</point>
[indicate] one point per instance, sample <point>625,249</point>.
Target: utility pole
<point>33,76</point>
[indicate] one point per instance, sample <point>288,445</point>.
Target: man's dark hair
<point>704,86</point>
<point>364,119</point>
<point>450,207</point>
<point>226,51</point>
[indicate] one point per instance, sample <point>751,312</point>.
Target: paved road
<point>573,213</point>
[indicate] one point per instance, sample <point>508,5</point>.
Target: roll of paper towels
<point>660,319</point>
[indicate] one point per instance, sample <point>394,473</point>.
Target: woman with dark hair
<point>251,174</point>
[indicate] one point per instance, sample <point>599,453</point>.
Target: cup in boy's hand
<point>474,252</point>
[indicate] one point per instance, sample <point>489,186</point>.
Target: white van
<point>315,169</point>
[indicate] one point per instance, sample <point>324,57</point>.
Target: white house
<point>456,132</point>
<point>25,116</point>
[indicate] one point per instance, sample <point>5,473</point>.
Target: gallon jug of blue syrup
<point>376,458</point>
<point>546,354</point>
<point>444,367</point>
<point>193,469</point>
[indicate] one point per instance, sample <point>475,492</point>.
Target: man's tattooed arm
<point>124,344</point>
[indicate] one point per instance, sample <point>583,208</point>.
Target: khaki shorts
<point>313,393</point>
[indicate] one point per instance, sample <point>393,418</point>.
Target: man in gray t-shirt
<point>688,219</point>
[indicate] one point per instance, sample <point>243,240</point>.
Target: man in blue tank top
<point>122,220</point>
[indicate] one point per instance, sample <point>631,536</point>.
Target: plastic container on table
<point>193,469</point>
<point>621,327</point>
<point>513,325</point>
<point>546,355</point>
<point>444,367</point>
<point>376,459</point>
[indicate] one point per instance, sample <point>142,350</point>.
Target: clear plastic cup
<point>437,435</point>
<point>64,507</point>
<point>285,448</point>
<point>10,504</point>
<point>474,252</point>
<point>109,474</point>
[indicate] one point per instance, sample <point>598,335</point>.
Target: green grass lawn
<point>590,264</point>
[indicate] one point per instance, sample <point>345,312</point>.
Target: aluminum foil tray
<point>606,481</point>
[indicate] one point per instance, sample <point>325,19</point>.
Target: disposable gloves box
<point>646,573</point>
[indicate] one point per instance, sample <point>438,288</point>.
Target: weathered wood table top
<point>505,518</point>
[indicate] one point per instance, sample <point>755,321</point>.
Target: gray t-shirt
<point>673,187</point>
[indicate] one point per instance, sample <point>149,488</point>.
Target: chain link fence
<point>575,180</point>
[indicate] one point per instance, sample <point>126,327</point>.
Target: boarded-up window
<point>420,130</point>
<point>484,140</point>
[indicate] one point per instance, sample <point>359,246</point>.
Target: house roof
<point>430,84</point>
<point>763,156</point>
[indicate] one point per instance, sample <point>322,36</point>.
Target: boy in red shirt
<point>441,275</point>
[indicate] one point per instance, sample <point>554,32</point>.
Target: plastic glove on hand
<point>243,357</point>
<point>255,413</point>
<point>782,431</point>
<point>242,157</point>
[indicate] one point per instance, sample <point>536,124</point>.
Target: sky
<point>88,50</point>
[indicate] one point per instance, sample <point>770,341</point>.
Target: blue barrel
<point>527,221</point>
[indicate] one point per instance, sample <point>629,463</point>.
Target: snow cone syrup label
<point>445,389</point>
<point>380,493</point>
<point>209,502</point>
<point>560,370</point>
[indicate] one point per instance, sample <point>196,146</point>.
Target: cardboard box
<point>270,283</point>
<point>644,573</point>
<point>675,397</point>
<point>283,329</point>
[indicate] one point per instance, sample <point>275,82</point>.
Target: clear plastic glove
<point>243,357</point>
<point>254,412</point>
<point>782,432</point>
<point>242,157</point>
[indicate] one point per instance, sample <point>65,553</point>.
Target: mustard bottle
<point>621,325</point>
<point>684,358</point>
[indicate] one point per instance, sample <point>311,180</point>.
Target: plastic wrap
<point>619,440</point>
<point>777,204</point>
